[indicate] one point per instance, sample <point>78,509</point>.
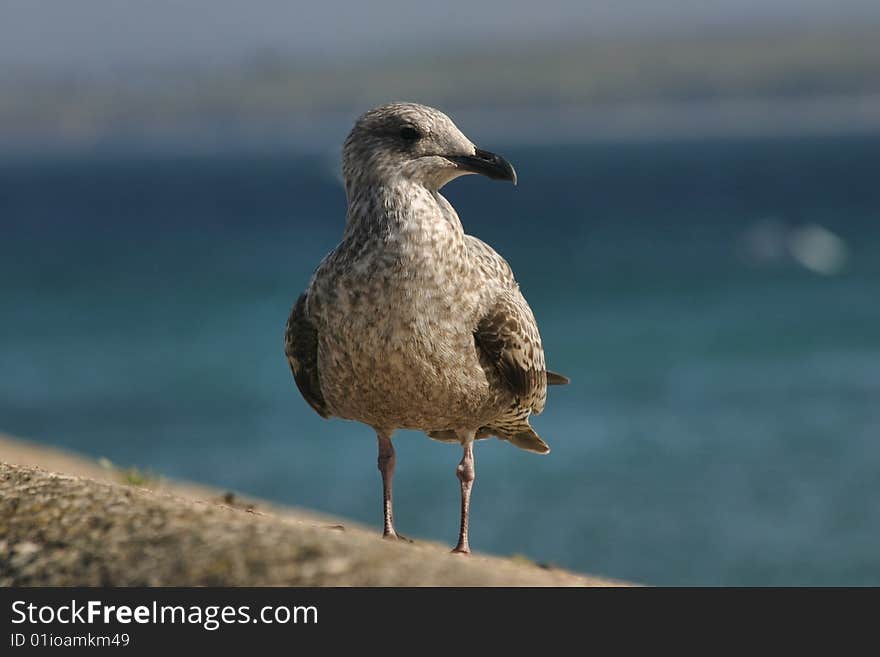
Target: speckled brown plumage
<point>409,322</point>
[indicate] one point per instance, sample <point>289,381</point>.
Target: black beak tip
<point>497,167</point>
<point>487,164</point>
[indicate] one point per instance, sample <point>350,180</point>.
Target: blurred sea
<point>716,304</point>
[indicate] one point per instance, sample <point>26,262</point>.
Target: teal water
<point>722,427</point>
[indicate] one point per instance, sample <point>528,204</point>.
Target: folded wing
<point>508,337</point>
<point>301,348</point>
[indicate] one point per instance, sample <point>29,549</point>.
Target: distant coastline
<point>516,126</point>
<point>812,81</point>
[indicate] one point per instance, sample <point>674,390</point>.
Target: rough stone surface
<point>66,530</point>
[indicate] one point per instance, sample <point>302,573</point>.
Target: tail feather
<point>527,439</point>
<point>554,379</point>
<point>522,436</point>
<point>444,436</point>
<point>449,436</point>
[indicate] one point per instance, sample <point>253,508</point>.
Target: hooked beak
<point>486,164</point>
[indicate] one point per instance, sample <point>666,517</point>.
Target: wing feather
<point>508,337</point>
<point>301,348</point>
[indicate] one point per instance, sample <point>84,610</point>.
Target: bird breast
<point>396,315</point>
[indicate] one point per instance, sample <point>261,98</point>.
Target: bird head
<point>415,143</point>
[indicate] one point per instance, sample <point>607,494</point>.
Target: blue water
<point>722,427</point>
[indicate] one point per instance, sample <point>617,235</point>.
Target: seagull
<point>410,323</point>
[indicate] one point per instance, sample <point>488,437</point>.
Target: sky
<point>60,35</point>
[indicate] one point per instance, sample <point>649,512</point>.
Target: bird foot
<point>394,536</point>
<point>461,550</point>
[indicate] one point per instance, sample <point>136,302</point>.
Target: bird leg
<point>466,475</point>
<point>386,467</point>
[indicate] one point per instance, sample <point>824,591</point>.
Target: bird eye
<point>409,133</point>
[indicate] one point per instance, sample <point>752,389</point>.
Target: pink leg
<point>466,475</point>
<point>386,467</point>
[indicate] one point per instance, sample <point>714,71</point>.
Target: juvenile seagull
<point>409,323</point>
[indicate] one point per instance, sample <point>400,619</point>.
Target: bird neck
<point>400,207</point>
